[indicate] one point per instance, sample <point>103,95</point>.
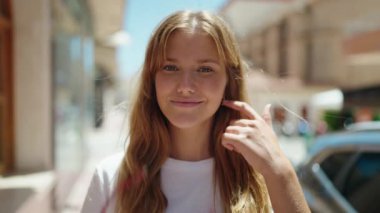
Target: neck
<point>191,144</point>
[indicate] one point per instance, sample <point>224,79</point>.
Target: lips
<point>186,103</point>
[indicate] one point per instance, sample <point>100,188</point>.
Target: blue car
<point>342,172</point>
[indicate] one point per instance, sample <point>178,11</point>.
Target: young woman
<point>195,144</point>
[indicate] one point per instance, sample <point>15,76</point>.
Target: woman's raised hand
<point>253,137</point>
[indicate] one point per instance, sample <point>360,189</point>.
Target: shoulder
<point>108,168</point>
<point>101,189</point>
<point>111,163</point>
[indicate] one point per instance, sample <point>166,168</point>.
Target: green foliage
<point>376,117</point>
<point>337,120</point>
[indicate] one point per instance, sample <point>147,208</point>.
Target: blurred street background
<point>68,71</point>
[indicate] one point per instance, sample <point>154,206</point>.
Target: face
<point>190,84</point>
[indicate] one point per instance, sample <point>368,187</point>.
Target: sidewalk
<point>23,192</point>
<point>35,192</point>
<point>103,142</point>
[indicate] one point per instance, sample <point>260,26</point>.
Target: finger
<point>267,116</point>
<point>229,129</point>
<point>237,141</point>
<point>245,123</point>
<point>233,137</point>
<point>228,145</point>
<point>243,108</point>
<point>238,129</point>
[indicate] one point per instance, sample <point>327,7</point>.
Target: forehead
<point>191,44</point>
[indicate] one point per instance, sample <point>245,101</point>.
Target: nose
<point>186,84</point>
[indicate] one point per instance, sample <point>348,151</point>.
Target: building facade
<point>308,47</point>
<point>50,54</point>
<point>6,88</point>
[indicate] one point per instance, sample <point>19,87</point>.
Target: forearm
<point>285,192</point>
<point>253,137</point>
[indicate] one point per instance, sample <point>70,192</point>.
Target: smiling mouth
<point>186,103</point>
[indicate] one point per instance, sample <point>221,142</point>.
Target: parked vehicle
<point>342,172</point>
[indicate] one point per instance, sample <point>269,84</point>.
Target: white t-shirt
<point>187,185</point>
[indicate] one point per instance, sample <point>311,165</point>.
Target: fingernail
<point>227,146</point>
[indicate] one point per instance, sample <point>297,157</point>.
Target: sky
<point>140,20</point>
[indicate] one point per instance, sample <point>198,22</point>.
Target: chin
<point>188,123</point>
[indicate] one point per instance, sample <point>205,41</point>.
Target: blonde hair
<point>241,188</point>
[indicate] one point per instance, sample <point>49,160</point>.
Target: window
<point>334,164</point>
<point>357,177</point>
<point>362,188</point>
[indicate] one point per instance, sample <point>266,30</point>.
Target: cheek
<point>158,88</point>
<point>160,83</point>
<point>162,87</point>
<point>217,87</point>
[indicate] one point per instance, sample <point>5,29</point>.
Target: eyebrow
<point>206,60</point>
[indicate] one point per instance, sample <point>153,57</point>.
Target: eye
<point>205,69</point>
<point>170,68</point>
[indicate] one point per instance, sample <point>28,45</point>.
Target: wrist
<point>284,190</point>
<point>280,170</point>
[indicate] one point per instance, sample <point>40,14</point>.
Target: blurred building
<point>57,58</point>
<point>6,88</point>
<point>309,46</point>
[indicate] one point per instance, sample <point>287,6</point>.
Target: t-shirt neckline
<point>175,164</point>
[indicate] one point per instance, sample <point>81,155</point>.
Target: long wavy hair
<point>138,189</point>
